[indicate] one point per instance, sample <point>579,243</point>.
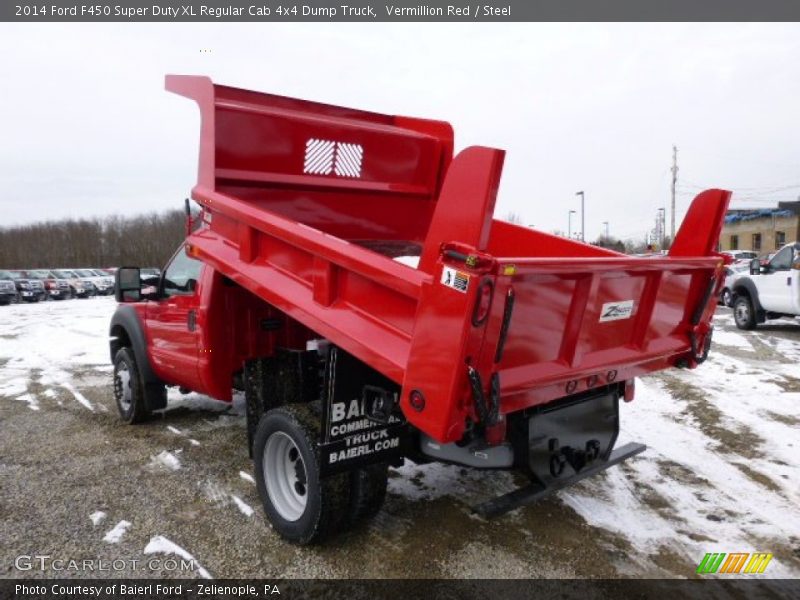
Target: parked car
<point>732,273</point>
<point>29,289</point>
<point>57,289</point>
<point>768,291</point>
<point>8,289</point>
<point>80,288</point>
<point>104,284</point>
<point>741,254</point>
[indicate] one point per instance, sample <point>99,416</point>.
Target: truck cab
<point>770,291</point>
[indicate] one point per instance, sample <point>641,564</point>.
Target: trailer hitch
<point>577,459</point>
<point>487,409</point>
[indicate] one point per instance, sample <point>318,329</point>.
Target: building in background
<point>761,230</point>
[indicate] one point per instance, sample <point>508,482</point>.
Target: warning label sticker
<point>458,280</point>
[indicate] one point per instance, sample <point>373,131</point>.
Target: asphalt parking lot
<point>720,475</point>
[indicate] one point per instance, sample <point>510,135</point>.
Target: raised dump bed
<point>504,347</point>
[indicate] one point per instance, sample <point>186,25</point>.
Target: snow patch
<point>165,459</point>
<point>246,509</point>
<point>33,403</point>
<point>115,535</point>
<point>97,517</point>
<point>160,545</point>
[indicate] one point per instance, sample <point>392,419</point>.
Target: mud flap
<point>361,420</point>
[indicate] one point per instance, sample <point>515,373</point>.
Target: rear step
<point>536,491</point>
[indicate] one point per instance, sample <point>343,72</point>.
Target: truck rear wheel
<point>302,506</point>
<point>743,313</point>
<point>367,492</point>
<point>128,388</point>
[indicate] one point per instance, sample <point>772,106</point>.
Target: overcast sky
<point>86,128</point>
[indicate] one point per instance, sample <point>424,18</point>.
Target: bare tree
<point>146,240</point>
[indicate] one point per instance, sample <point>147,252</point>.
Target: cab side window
<point>782,261</point>
<point>181,276</point>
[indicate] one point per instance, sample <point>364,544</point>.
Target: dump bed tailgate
<point>581,323</point>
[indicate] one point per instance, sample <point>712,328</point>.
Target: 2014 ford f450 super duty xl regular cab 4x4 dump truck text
<point>505,348</point>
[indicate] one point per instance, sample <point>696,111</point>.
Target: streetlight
<point>606,224</point>
<point>569,224</point>
<point>583,217</point>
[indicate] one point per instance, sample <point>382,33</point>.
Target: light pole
<point>569,224</point>
<point>583,217</point>
<point>662,224</point>
<point>606,225</point>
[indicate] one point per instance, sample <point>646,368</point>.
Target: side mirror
<point>128,284</point>
<point>755,266</point>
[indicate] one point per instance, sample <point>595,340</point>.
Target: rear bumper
<point>536,491</point>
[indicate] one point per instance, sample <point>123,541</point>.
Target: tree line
<point>146,241</point>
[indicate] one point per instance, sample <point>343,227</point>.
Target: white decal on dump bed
<point>614,311</point>
<point>324,157</point>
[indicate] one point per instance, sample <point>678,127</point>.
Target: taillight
<point>483,302</point>
<point>416,400</point>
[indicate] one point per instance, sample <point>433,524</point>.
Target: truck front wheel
<point>743,313</point>
<point>128,388</point>
<point>302,506</point>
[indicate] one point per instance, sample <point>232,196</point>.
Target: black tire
<point>367,492</point>
<point>726,297</point>
<point>744,313</point>
<point>326,500</point>
<point>129,388</point>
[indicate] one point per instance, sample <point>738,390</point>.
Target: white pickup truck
<point>770,291</point>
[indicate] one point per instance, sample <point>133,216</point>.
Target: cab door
<point>172,321</point>
<point>777,288</point>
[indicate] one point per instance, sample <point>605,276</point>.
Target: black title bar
<point>466,11</point>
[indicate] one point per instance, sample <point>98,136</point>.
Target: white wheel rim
<point>742,312</point>
<point>122,387</point>
<point>285,476</point>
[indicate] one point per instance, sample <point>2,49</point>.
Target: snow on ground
<point>115,534</point>
<point>97,517</point>
<point>165,460</point>
<point>243,506</point>
<point>46,343</point>
<point>720,473</point>
<point>161,545</point>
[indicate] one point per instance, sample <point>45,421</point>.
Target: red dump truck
<point>488,345</point>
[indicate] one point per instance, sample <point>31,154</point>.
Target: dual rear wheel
<point>302,506</point>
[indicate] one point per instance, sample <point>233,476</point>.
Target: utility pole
<point>606,224</point>
<point>569,224</point>
<point>674,181</point>
<point>583,217</point>
<point>661,228</point>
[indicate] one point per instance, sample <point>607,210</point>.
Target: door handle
<point>191,320</point>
